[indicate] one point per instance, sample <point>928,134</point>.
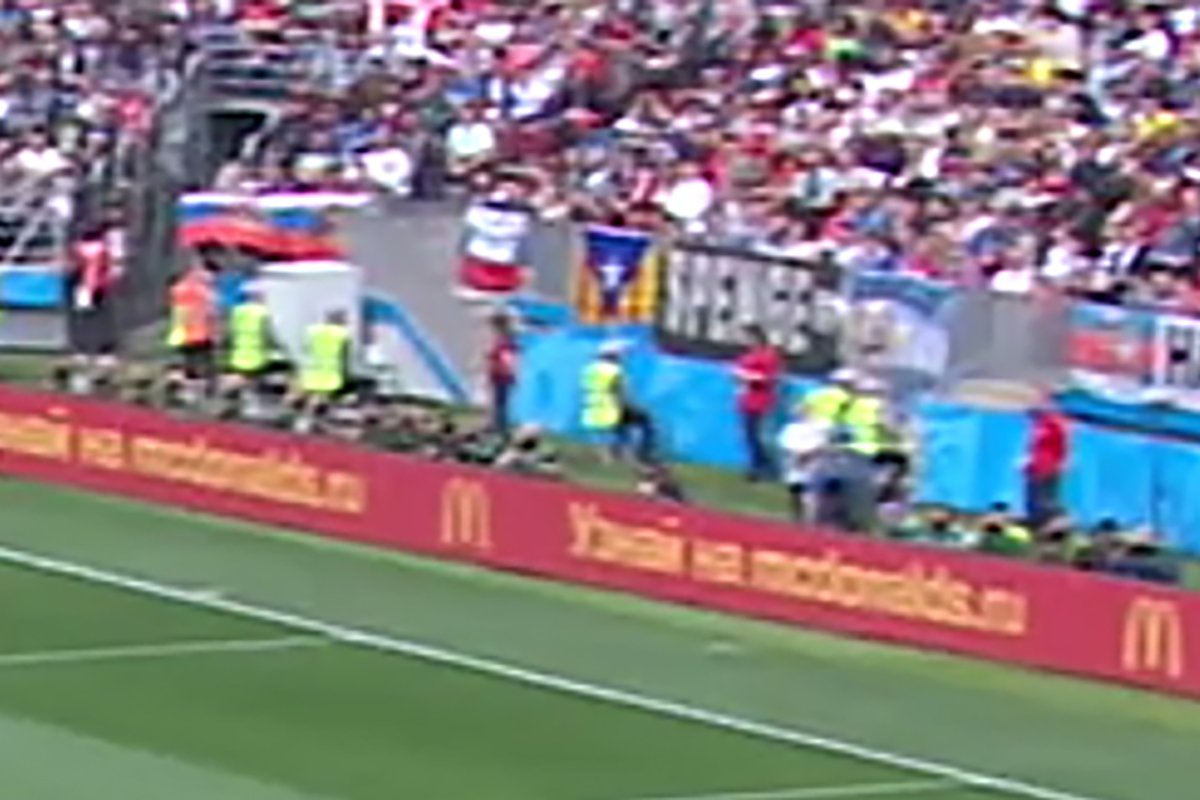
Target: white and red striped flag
<point>493,252</point>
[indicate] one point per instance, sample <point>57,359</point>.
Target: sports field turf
<point>146,653</point>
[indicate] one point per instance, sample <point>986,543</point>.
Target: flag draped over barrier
<point>617,277</point>
<point>278,227</point>
<point>493,251</point>
<point>711,293</point>
<point>897,326</point>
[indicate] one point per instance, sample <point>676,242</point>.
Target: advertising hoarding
<point>980,606</point>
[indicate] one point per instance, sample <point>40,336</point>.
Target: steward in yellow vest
<point>607,409</point>
<point>829,404</point>
<point>865,420</point>
<point>250,340</point>
<point>602,394</point>
<point>325,370</point>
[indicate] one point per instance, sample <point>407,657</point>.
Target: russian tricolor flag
<point>277,227</point>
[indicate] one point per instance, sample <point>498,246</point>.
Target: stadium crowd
<point>77,85</point>
<point>1021,143</point>
<point>1003,142</point>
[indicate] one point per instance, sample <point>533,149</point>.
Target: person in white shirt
<point>689,199</point>
<point>1064,260</point>
<point>800,441</point>
<point>1015,279</point>
<point>39,159</point>
<point>470,142</point>
<point>390,168</point>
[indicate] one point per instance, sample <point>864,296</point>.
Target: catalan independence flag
<point>616,280</point>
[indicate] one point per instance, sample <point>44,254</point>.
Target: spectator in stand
<point>1046,460</point>
<point>471,142</point>
<point>758,372</point>
<point>389,166</point>
<point>39,160</point>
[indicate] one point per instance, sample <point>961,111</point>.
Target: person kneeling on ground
<point>843,487</point>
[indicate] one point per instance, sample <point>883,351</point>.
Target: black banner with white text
<point>709,294</point>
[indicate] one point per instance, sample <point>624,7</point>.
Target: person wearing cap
<point>607,409</point>
<point>757,372</point>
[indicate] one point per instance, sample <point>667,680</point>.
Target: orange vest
<point>193,307</point>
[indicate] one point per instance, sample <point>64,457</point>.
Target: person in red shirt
<point>1045,463</point>
<point>96,269</point>
<point>757,372</point>
<point>501,371</point>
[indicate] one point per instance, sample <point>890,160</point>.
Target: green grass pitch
<point>150,654</point>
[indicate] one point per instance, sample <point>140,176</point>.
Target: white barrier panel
<point>302,293</point>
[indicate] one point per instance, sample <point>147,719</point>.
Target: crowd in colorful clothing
<point>1019,143</point>
<point>77,82</point>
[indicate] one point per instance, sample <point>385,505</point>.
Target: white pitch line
<point>137,652</point>
<point>845,792</point>
<point>532,677</point>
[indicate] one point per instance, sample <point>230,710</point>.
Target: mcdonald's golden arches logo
<point>1153,638</point>
<point>466,515</point>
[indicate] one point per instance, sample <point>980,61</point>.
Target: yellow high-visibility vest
<point>828,404</point>
<point>864,418</point>
<point>248,332</point>
<point>601,406</point>
<point>323,371</point>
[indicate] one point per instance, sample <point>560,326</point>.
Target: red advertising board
<point>990,608</point>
